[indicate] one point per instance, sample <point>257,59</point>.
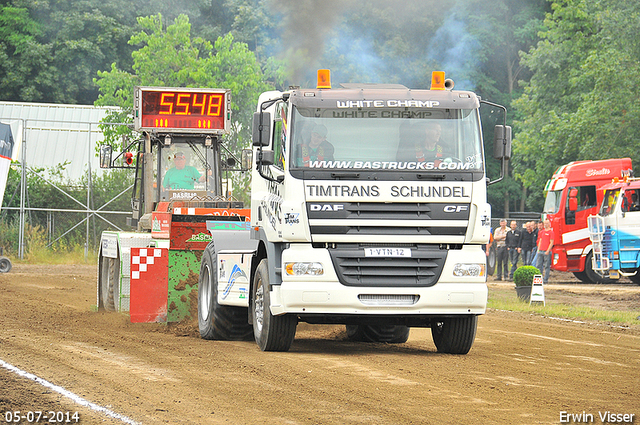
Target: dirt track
<point>522,369</point>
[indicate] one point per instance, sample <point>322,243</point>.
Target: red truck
<point>572,194</point>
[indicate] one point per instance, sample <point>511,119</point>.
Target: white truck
<point>375,227</point>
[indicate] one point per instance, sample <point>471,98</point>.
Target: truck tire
<point>108,280</point>
<point>5,265</point>
<point>636,277</point>
<point>582,277</point>
<point>392,334</point>
<point>216,321</point>
<point>454,335</point>
<point>272,333</point>
<point>592,276</point>
<point>491,260</point>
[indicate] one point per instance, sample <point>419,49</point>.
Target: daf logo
<point>455,208</point>
<point>326,207</point>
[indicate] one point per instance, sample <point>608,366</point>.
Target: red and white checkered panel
<point>140,263</point>
<point>149,284</point>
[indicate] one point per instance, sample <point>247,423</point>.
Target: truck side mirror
<point>261,132</point>
<point>502,143</point>
<point>105,156</point>
<point>267,157</point>
<point>573,200</point>
<point>246,159</point>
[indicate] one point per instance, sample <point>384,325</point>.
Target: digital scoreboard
<point>182,110</point>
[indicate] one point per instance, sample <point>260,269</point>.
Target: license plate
<point>387,252</point>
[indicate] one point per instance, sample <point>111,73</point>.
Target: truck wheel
<point>108,281</point>
<point>272,333</point>
<point>5,265</point>
<point>491,260</point>
<point>454,335</point>
<point>636,277</point>
<point>592,276</point>
<point>392,334</point>
<point>582,277</point>
<point>215,321</point>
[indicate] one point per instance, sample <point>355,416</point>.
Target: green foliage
<point>9,230</point>
<point>581,100</point>
<point>20,54</point>
<point>523,276</point>
<point>49,52</point>
<point>109,192</point>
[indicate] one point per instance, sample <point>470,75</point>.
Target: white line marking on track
<point>76,398</point>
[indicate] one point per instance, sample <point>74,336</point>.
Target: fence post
<point>23,190</point>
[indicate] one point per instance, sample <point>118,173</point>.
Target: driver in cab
<point>316,149</point>
<point>430,149</point>
<point>181,175</point>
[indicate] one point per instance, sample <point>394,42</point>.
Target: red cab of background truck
<point>572,194</point>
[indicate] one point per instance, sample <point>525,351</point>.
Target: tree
<point>581,100</point>
<point>50,51</point>
<point>21,56</point>
<point>172,58</point>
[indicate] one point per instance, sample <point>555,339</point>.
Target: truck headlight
<point>304,269</point>
<point>468,270</point>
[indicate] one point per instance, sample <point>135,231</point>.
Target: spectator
<point>540,227</point>
<point>502,261</point>
<point>528,243</point>
<point>545,244</point>
<point>513,241</point>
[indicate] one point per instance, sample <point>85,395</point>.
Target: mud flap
<point>149,285</point>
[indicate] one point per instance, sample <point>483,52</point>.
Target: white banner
<point>6,150</point>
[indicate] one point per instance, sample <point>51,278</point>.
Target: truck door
<point>581,202</point>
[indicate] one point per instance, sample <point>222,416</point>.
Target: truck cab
<point>615,231</point>
<point>572,194</point>
<point>369,207</point>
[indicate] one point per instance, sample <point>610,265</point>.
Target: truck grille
<point>422,269</point>
<point>367,219</point>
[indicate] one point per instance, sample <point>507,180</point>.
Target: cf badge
<point>455,208</point>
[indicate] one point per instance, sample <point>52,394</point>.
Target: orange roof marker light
<point>324,79</point>
<point>437,80</point>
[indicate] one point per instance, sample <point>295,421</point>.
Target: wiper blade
<point>345,175</point>
<point>431,176</point>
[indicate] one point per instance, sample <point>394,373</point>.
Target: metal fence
<point>88,215</point>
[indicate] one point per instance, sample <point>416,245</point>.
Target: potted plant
<point>523,279</point>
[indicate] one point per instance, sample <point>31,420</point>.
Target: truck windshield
<point>184,170</point>
<point>446,140</point>
<point>552,201</point>
<point>609,202</point>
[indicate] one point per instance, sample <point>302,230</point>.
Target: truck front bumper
<point>325,294</point>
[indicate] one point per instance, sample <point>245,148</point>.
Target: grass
<point>506,299</point>
<point>44,255</point>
